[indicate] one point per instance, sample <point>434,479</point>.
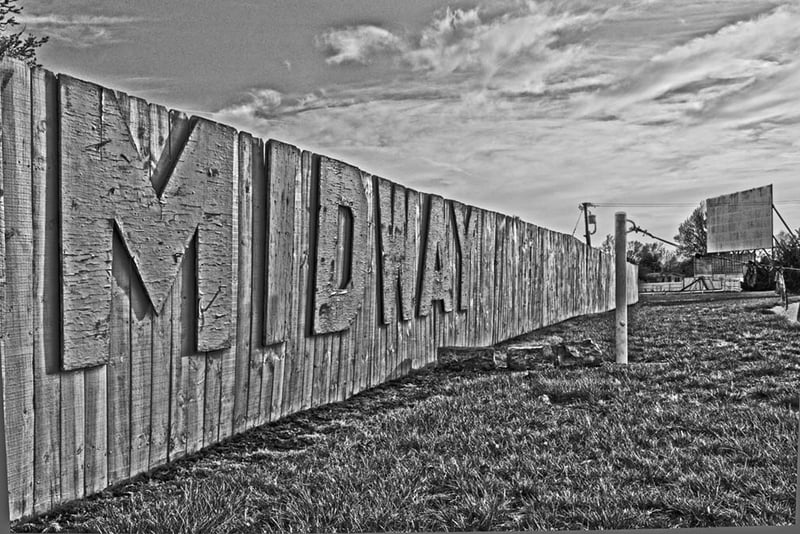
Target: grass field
<point>700,430</point>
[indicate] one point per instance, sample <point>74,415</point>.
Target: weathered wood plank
<point>72,432</point>
<point>276,393</point>
<point>46,346</point>
<point>118,386</point>
<point>179,348</point>
<point>244,292</point>
<point>194,385</point>
<point>141,314</point>
<point>322,359</point>
<point>228,364</point>
<point>194,371</point>
<point>333,381</point>
<point>95,472</point>
<point>255,386</point>
<point>17,365</point>
<point>160,385</point>
<point>162,365</point>
<point>406,344</point>
<point>284,192</point>
<point>368,295</point>
<point>255,409</point>
<point>488,273</point>
<point>211,397</point>
<point>299,363</point>
<point>475,303</point>
<point>283,168</point>
<point>271,354</point>
<point>141,334</point>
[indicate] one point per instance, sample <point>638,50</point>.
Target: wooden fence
<point>168,282</point>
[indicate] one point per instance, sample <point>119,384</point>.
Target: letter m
<point>157,179</point>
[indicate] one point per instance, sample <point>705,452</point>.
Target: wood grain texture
<point>396,253</point>
<point>18,358</point>
<point>283,168</point>
<point>257,376</point>
<point>228,355</point>
<point>436,283</point>
<point>160,385</point>
<point>299,362</point>
<point>136,113</point>
<point>162,367</point>
<point>339,272</point>
<point>46,343</point>
<point>244,292</point>
<point>194,364</point>
<point>179,349</point>
<point>368,296</point>
<point>118,385</point>
<point>156,226</point>
<point>211,398</point>
<point>466,233</point>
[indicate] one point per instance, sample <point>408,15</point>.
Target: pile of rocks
<point>552,350</point>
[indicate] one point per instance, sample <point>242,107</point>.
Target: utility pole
<point>585,208</point>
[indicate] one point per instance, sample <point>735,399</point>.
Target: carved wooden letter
<point>397,253</point>
<point>465,219</point>
<point>341,246</point>
<point>109,177</point>
<point>436,277</point>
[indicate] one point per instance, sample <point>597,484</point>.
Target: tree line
<point>692,237</point>
<point>658,258</point>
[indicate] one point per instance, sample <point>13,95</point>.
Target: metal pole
<point>784,222</point>
<point>586,223</point>
<point>621,294</point>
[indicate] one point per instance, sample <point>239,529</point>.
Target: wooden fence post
<point>5,517</point>
<point>621,300</point>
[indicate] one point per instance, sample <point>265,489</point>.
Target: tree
<point>13,44</point>
<point>607,245</point>
<point>787,254</point>
<point>692,233</point>
<point>650,257</point>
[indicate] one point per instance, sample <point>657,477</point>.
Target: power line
<point>641,230</point>
<point>644,205</point>
<point>576,224</point>
<point>669,204</point>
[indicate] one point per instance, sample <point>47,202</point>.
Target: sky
<point>524,107</point>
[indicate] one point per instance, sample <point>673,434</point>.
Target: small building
<point>663,277</point>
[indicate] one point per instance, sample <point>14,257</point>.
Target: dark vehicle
<point>759,277</point>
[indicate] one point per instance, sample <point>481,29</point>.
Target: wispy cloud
<point>520,45</point>
<point>709,73</point>
<point>357,44</point>
<point>80,31</point>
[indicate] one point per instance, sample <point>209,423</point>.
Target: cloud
<point>357,44</point>
<point>495,99</point>
<point>469,41</point>
<point>709,73</point>
<point>80,31</point>
<point>517,46</point>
